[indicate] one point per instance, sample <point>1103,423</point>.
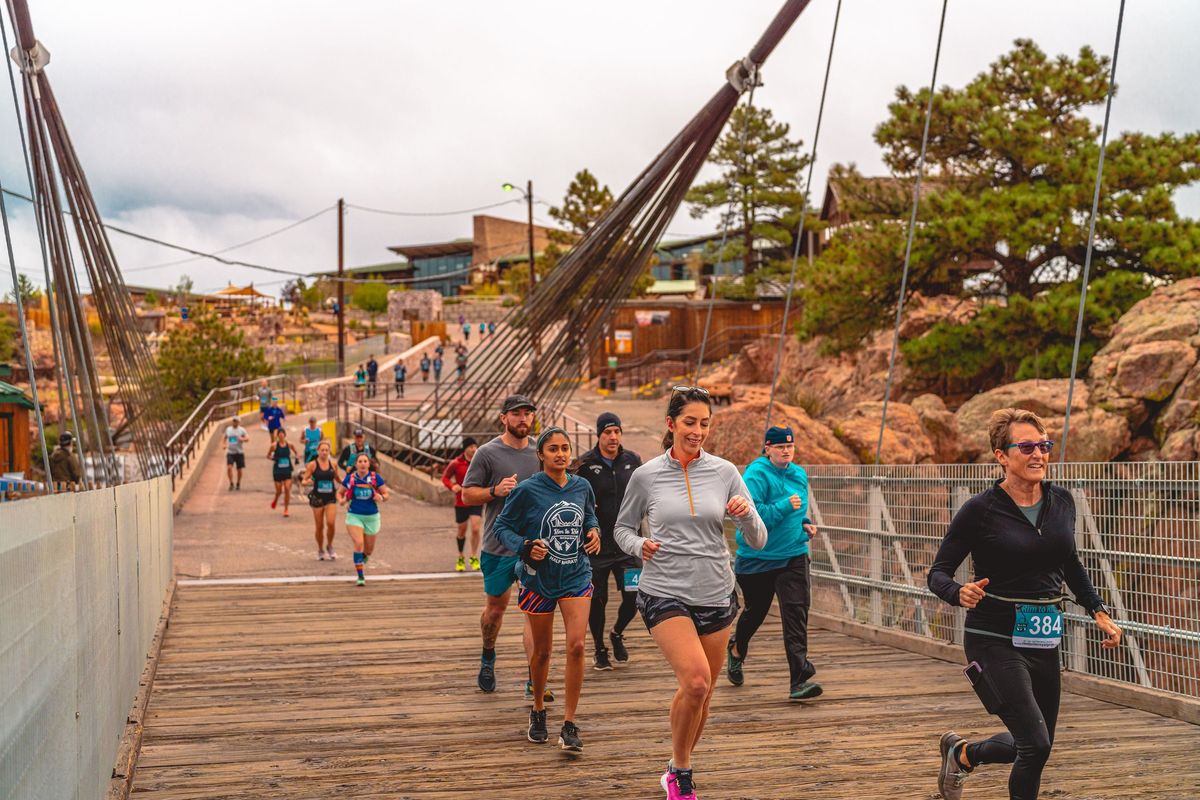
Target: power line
<point>255,240</point>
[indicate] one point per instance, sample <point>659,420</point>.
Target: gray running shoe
<point>951,776</point>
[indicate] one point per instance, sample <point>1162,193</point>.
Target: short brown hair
<point>1000,425</point>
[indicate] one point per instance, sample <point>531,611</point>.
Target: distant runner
<point>452,479</point>
<point>363,490</point>
<point>322,475</point>
<point>283,463</point>
<point>235,451</point>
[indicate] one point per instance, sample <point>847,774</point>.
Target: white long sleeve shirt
<point>685,511</point>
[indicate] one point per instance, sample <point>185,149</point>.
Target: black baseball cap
<point>515,401</point>
<point>359,432</point>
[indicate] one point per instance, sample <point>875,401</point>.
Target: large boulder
<point>1149,357</point>
<point>1096,434</point>
<point>940,426</point>
<point>904,438</point>
<point>737,434</point>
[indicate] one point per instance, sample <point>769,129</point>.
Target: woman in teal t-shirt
<point>362,491</point>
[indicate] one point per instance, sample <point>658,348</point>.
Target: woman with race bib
<point>283,464</point>
<point>1021,535</point>
<point>322,475</point>
<point>363,490</point>
<point>549,520</point>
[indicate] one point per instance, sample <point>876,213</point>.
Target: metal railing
<point>430,444</point>
<point>221,402</point>
<point>1137,531</point>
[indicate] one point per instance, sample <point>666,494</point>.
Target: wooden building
<point>15,440</point>
<point>641,328</point>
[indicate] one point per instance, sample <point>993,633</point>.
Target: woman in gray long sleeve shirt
<point>686,595</point>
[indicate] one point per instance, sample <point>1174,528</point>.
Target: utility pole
<point>529,205</point>
<point>341,288</point>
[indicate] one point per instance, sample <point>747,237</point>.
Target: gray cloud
<point>210,123</point>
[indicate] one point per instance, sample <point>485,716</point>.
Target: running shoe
<point>366,559</point>
<point>568,737</point>
<point>360,582</point>
<point>537,727</point>
<point>487,676</point>
<point>238,487</point>
<point>733,666</point>
<point>951,776</point>
<point>231,487</point>
<point>806,691</point>
<point>678,785</point>
<point>285,513</point>
<point>320,555</point>
<point>547,696</point>
<point>274,503</point>
<point>601,662</point>
<point>332,555</point>
<point>618,647</point>
<point>460,565</point>
<point>474,564</point>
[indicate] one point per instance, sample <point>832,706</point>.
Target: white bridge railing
<point>1137,530</point>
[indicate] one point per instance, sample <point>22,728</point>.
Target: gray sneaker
<point>951,776</point>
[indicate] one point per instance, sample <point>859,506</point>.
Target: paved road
<point>224,534</point>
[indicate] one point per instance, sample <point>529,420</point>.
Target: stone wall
<point>475,311</point>
<point>421,304</point>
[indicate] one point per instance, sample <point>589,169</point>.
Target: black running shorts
<point>236,460</point>
<point>707,619</point>
<point>464,513</point>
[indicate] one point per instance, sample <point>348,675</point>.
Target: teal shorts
<point>499,572</point>
<point>368,522</point>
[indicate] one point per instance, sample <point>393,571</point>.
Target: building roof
<point>454,247</point>
<point>14,396</point>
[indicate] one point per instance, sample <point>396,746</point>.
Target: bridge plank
<point>320,690</point>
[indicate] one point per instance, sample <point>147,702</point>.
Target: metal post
<point>875,564</point>
<point>341,289</point>
<point>529,205</point>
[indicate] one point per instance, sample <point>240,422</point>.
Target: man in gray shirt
<point>496,468</point>
<point>235,451</point>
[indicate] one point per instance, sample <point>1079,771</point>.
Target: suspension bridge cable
<point>391,213</point>
<point>37,405</point>
<point>1091,243</point>
<point>912,227</point>
<point>725,233</point>
<point>787,305</point>
<point>62,373</point>
<point>246,243</point>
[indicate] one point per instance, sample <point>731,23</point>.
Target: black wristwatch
<point>492,491</point>
<point>1092,612</point>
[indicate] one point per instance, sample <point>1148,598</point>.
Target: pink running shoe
<point>332,555</point>
<point>678,785</point>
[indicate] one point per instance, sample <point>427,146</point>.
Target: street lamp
<point>528,193</point>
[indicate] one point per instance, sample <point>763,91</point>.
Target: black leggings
<point>1027,683</point>
<point>791,583</point>
<point>625,613</point>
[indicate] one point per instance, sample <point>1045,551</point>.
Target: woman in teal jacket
<point>779,490</point>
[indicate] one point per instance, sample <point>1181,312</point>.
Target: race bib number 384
<point>1037,627</point>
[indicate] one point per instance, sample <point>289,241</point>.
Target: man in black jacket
<point>607,468</point>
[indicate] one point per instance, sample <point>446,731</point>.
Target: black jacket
<point>1021,561</point>
<point>608,484</point>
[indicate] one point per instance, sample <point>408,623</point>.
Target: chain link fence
<point>1137,529</point>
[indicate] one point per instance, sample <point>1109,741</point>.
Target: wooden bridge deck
<point>322,690</point>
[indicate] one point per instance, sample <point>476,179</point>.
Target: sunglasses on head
<point>686,389</point>
<point>1027,448</point>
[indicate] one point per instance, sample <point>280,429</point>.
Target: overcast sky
<point>209,123</point>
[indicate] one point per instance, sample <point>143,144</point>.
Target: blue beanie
<point>780,434</point>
